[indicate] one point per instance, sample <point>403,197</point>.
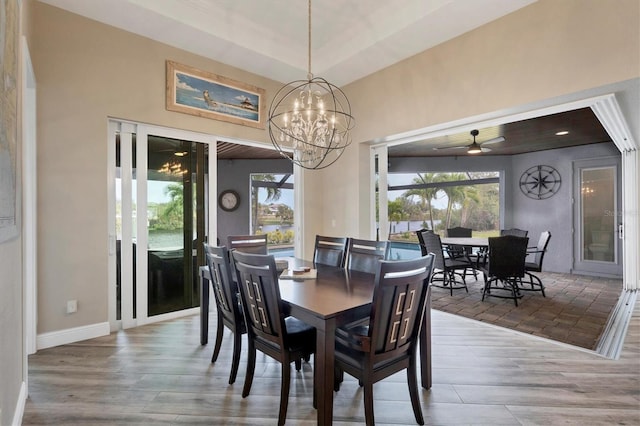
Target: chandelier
<point>173,168</point>
<point>312,117</point>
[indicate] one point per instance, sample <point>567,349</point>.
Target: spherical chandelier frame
<point>313,118</point>
<point>300,121</point>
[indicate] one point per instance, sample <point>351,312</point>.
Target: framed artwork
<point>8,118</point>
<point>196,92</point>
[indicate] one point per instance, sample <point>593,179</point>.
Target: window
<point>441,200</point>
<point>272,210</point>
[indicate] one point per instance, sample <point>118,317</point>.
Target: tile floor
<point>575,310</point>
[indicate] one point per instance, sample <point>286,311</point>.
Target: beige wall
<point>87,72</point>
<point>545,50</point>
<point>12,345</point>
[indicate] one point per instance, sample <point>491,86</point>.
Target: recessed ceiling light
<point>562,133</point>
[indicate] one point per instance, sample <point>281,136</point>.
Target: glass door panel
<point>175,223</point>
<point>597,247</point>
<point>598,228</point>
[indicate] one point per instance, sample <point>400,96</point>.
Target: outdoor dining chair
<point>533,282</point>
<point>464,253</point>
<point>514,231</point>
<point>504,267</point>
<point>446,270</point>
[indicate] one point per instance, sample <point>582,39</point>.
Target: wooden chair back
<point>330,251</point>
<point>398,306</point>
<point>364,255</point>
<point>256,244</point>
<point>388,343</point>
<point>260,295</point>
<point>225,290</point>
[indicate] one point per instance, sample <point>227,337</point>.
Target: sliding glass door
<point>175,222</point>
<point>161,181</point>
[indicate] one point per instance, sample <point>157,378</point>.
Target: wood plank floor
<point>483,375</point>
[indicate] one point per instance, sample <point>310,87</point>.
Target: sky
<point>155,194</point>
<point>155,191</point>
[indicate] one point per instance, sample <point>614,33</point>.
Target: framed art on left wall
<point>205,94</point>
<point>8,119</point>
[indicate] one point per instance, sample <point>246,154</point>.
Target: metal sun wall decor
<point>540,182</point>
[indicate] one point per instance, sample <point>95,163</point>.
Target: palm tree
<point>396,212</point>
<point>461,194</point>
<point>273,194</point>
<point>424,194</point>
<point>170,216</point>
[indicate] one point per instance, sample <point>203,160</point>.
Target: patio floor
<point>575,310</point>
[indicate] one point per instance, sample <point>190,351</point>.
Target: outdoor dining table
<point>334,298</point>
<point>477,242</point>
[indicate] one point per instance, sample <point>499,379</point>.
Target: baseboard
<point>19,411</point>
<point>71,335</point>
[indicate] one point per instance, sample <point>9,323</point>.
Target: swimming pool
<point>399,250</point>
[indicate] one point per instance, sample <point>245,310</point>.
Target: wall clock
<point>540,182</point>
<point>229,200</point>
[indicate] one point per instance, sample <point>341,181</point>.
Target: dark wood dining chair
<point>387,342</point>
<point>533,282</point>
<point>256,244</point>
<point>448,273</point>
<point>330,251</point>
<point>363,255</point>
<point>514,231</point>
<point>230,314</point>
<point>504,268</point>
<point>284,338</point>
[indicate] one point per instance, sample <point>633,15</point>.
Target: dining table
<point>334,297</point>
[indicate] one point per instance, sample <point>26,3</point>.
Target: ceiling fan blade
<point>438,148</point>
<point>485,149</point>
<point>494,140</point>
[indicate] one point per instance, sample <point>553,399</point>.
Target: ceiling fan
<point>475,147</point>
